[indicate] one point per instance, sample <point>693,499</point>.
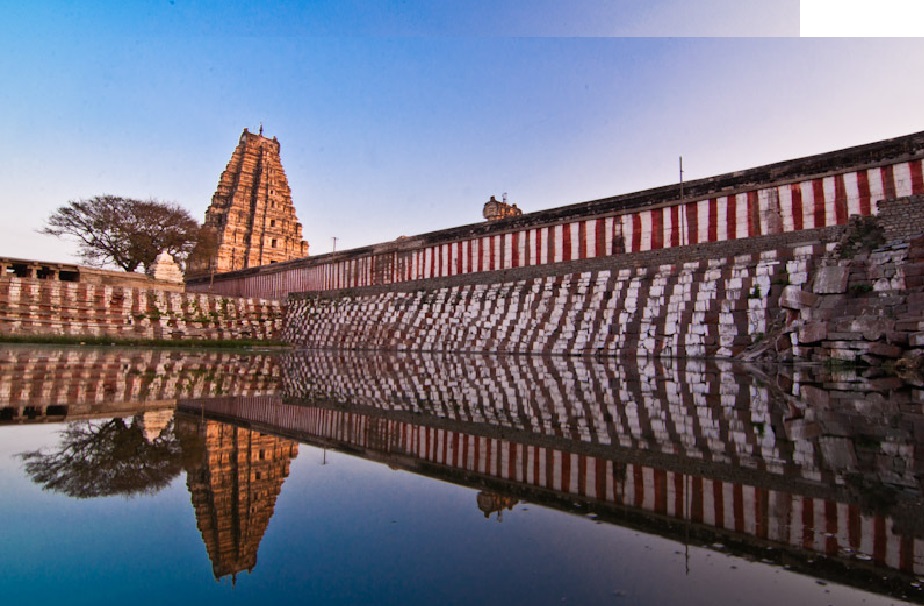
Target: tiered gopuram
<point>251,216</point>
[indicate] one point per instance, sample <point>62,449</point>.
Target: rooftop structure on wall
<point>495,211</point>
<point>251,217</point>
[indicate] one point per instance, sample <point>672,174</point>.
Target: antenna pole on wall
<point>682,210</point>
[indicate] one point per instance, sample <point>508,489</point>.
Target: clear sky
<point>402,117</point>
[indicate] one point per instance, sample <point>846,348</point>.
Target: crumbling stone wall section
<point>49,307</point>
<point>902,218</point>
<point>865,303</point>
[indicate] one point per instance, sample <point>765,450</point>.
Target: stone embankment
<point>53,385</point>
<point>865,302</point>
<point>836,293</point>
<point>37,307</point>
<point>709,300</point>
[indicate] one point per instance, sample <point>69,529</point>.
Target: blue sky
<point>397,118</point>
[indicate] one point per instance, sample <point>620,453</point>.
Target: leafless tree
<point>124,232</point>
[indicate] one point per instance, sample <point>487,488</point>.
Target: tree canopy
<point>123,231</point>
<point>106,458</point>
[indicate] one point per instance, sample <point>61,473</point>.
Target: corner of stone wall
<point>864,302</point>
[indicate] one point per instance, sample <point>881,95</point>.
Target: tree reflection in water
<point>101,458</point>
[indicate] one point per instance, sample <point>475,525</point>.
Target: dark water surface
<point>152,477</point>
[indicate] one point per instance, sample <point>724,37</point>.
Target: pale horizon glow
<point>405,118</point>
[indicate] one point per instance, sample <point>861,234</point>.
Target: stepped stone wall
<point>63,384</point>
<point>51,307</point>
<point>708,300</point>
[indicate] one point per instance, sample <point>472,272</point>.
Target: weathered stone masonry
<point>51,307</point>
<point>803,194</point>
<point>706,300</point>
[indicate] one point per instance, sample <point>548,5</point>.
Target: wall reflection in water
<point>787,467</point>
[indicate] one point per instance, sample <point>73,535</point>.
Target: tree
<point>202,259</point>
<point>106,458</point>
<point>125,232</point>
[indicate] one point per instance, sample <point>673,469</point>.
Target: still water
<point>335,478</point>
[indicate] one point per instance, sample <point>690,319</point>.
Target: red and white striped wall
<point>821,525</point>
<point>814,203</point>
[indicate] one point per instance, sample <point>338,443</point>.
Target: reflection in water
<point>57,384</point>
<point>234,484</point>
<point>107,458</point>
<point>694,447</point>
<point>818,472</point>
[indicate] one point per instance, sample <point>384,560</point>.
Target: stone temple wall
<point>802,194</point>
<point>51,307</point>
<point>710,300</point>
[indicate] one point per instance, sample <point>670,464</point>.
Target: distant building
<point>251,218</point>
<point>494,210</point>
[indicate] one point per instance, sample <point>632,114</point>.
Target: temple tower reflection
<point>233,488</point>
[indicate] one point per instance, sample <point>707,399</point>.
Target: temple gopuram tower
<point>252,218</point>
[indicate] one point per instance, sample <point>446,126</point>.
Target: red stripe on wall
<point>515,249</point>
<point>657,229</point>
<point>753,214</point>
<point>906,554</point>
<point>491,247</point>
<point>660,491</point>
<point>865,195</point>
<point>718,505</point>
<point>675,225</point>
<point>582,239</point>
<point>738,507</point>
<point>692,223</point>
<point>762,512</point>
<point>808,523</point>
<point>831,528</point>
<point>818,189</point>
<point>798,220</point>
<point>582,476</point>
<point>527,245</point>
<point>538,245</point>
<point>917,177</point>
<point>459,258</point>
<point>639,480</point>
<point>840,200</point>
<point>550,468</point>
<point>601,238</point>
<point>680,495</point>
<point>696,500</point>
<point>566,242</point>
<point>601,478</point>
<point>565,471</point>
<point>888,182</point>
<point>880,540</point>
<point>712,231</point>
<point>731,219</point>
<point>636,233</point>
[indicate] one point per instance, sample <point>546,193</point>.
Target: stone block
<point>831,280</point>
<point>884,350</point>
<point>794,297</point>
<point>813,332</point>
<point>838,453</point>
